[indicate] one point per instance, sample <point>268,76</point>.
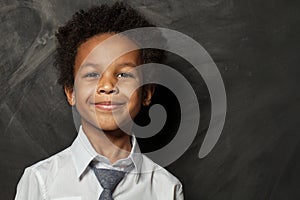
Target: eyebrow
<point>94,65</point>
<point>88,64</point>
<point>125,64</point>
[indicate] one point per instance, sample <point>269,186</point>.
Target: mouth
<point>108,105</point>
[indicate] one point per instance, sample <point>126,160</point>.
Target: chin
<point>111,124</point>
<point>115,128</point>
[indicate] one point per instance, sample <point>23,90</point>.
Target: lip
<point>108,105</point>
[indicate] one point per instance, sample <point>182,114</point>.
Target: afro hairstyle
<point>83,25</point>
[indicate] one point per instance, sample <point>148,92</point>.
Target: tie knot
<point>108,178</point>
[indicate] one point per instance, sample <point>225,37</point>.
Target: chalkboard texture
<point>255,45</point>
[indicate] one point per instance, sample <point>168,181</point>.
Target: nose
<point>107,85</point>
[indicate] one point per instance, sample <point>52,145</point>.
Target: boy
<point>103,162</point>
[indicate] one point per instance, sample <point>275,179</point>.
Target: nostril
<point>111,91</point>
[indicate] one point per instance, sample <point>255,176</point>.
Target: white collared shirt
<point>68,176</point>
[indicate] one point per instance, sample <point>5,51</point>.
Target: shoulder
<point>55,161</point>
<point>38,177</point>
<point>166,185</point>
<point>158,173</point>
<point>48,169</point>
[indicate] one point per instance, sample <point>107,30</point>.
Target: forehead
<point>106,48</point>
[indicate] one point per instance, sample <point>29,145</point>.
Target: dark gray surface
<point>255,45</point>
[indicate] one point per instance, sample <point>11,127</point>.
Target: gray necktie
<point>108,179</point>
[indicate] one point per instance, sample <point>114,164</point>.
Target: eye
<point>92,75</point>
<point>125,75</point>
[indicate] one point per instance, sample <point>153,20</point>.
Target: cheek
<point>135,102</point>
<point>135,97</point>
<point>129,88</point>
<point>131,91</point>
<point>84,91</point>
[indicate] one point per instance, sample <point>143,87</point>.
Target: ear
<point>70,95</point>
<point>148,91</point>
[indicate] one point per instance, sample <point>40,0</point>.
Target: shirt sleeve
<point>30,186</point>
<point>179,192</point>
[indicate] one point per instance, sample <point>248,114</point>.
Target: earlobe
<point>148,92</point>
<point>70,95</point>
<point>146,102</point>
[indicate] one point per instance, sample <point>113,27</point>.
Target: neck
<point>114,145</point>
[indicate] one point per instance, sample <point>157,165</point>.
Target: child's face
<point>95,93</point>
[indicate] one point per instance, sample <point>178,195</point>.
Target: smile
<point>108,105</point>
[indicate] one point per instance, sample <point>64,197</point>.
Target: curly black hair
<point>83,25</point>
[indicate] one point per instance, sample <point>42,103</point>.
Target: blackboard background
<point>255,45</point>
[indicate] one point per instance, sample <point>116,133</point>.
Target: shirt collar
<point>83,153</point>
